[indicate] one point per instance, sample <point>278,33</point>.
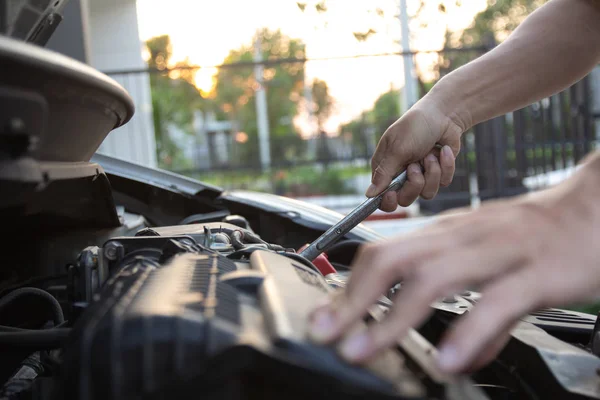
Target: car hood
<point>300,212</point>
<point>304,213</point>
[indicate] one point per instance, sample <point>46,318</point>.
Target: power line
<point>291,60</point>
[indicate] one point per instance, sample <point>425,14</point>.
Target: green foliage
<point>294,181</point>
<point>358,128</point>
<point>592,308</point>
<point>499,19</point>
<point>234,93</point>
<point>174,101</point>
<point>385,111</point>
<point>489,27</point>
<point>323,102</point>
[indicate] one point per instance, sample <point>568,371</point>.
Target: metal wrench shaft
<point>355,217</point>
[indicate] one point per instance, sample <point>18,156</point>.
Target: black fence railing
<point>496,156</point>
<point>550,135</point>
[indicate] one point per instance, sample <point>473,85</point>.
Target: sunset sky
<point>205,31</point>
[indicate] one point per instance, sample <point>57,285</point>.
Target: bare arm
<point>553,48</point>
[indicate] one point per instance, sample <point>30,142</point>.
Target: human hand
<point>409,143</point>
<point>527,253</point>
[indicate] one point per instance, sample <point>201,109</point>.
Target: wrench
<point>346,224</point>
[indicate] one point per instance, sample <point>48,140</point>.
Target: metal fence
<point>501,155</point>
<point>496,159</point>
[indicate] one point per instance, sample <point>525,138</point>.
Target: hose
<point>5,328</point>
<point>243,252</point>
<point>300,259</point>
<point>35,339</point>
<point>238,237</point>
<point>31,282</point>
<point>59,317</point>
<point>344,252</point>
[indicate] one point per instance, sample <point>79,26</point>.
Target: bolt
<point>338,231</point>
<point>16,125</point>
<point>186,241</point>
<point>449,300</point>
<point>111,250</point>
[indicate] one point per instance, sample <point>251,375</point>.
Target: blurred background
<point>291,97</point>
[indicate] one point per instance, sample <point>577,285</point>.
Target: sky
<point>206,30</point>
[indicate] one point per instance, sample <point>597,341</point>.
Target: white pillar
<point>595,99</point>
<point>115,45</point>
<point>410,94</point>
<point>261,108</point>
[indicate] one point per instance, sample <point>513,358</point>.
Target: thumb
<point>382,175</point>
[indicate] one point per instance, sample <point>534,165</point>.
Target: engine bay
<point>212,308</point>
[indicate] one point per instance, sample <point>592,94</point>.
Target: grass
<point>303,180</point>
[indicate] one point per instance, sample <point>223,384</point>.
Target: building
<point>104,34</point>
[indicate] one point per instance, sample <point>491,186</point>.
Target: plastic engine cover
<point>203,326</point>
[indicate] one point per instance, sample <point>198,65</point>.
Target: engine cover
<point>201,324</point>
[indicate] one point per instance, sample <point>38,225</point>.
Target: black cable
<point>245,252</point>
<point>238,237</point>
<point>30,282</point>
<point>59,317</point>
<point>300,259</point>
<point>35,339</point>
<point>214,216</point>
<point>6,328</point>
<point>344,252</point>
<point>236,240</point>
<point>291,60</point>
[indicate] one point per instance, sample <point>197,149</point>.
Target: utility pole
<point>261,108</point>
<point>313,134</point>
<point>410,94</point>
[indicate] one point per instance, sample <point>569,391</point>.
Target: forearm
<point>553,48</point>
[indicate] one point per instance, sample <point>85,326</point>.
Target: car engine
<point>212,308</point>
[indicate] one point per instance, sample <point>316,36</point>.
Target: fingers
<point>501,305</point>
<point>430,280</point>
<point>328,323</point>
<point>433,174</point>
<point>413,187</point>
<point>389,202</point>
<point>364,345</point>
<point>491,351</point>
<point>377,267</point>
<point>384,171</point>
<point>447,164</point>
<point>438,172</point>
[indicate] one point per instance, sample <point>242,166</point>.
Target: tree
<point>489,27</point>
<point>174,101</point>
<point>323,103</point>
<point>371,124</point>
<point>234,93</point>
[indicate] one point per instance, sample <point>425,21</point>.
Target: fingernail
<point>355,348</point>
<point>371,190</point>
<point>448,151</point>
<point>322,325</point>
<point>448,358</point>
<point>414,169</point>
<point>431,158</point>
